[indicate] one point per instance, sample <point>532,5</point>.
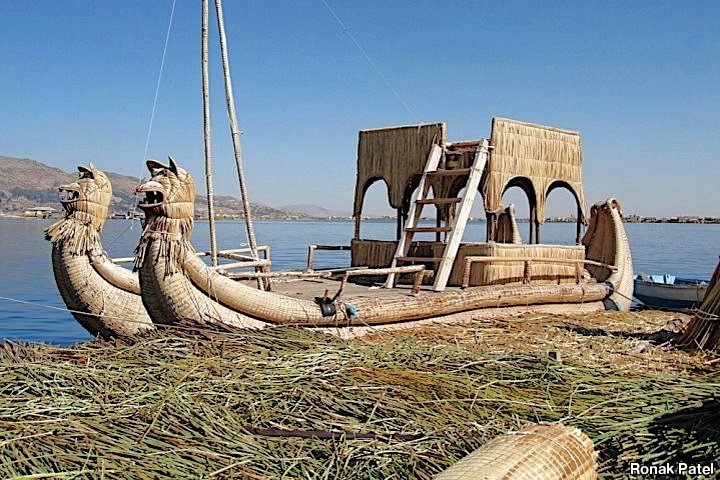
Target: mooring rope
<point>217,327</point>
<point>63,309</point>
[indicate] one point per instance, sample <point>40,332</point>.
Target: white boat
<point>669,292</point>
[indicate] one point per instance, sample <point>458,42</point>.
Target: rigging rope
<point>372,63</point>
<point>152,115</point>
<point>159,79</point>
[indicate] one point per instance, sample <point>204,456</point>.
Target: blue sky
<point>640,80</point>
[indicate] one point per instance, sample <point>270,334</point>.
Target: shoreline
<point>652,220</point>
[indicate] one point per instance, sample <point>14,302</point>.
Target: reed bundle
<point>292,403</point>
<point>539,452</point>
<point>704,329</point>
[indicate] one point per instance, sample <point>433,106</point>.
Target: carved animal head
<point>86,203</point>
<point>168,202</point>
<point>87,199</point>
<point>168,195</point>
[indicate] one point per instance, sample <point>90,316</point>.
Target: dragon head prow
<point>86,202</point>
<point>168,200</point>
<point>170,193</point>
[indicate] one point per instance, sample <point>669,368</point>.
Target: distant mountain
<point>26,183</point>
<point>314,211</point>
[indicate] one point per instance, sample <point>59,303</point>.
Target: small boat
<point>102,296</point>
<point>669,292</point>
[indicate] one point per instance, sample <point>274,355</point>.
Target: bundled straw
<point>704,329</point>
<point>292,403</point>
<point>539,452</point>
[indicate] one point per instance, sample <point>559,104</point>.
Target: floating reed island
<point>287,402</point>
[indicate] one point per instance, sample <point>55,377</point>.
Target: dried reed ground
<point>289,403</point>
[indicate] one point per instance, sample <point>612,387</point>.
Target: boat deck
<point>309,288</point>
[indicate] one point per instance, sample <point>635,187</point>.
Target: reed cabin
<point>425,175</point>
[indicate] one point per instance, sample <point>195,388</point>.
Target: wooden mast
<point>206,125</point>
<point>235,131</point>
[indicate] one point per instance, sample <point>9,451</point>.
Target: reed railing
<point>240,261</point>
<point>527,265</point>
<point>313,248</point>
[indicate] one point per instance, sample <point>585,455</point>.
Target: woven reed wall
<point>541,154</point>
<point>540,452</point>
<point>372,253</point>
<point>498,273</point>
<point>379,253</point>
<point>394,155</point>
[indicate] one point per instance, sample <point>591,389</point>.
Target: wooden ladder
<point>454,232</point>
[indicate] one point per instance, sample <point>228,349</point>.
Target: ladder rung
<point>419,259</point>
<point>428,229</point>
<point>455,171</point>
<point>438,201</point>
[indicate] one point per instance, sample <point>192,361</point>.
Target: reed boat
<point>449,278</point>
<point>102,296</point>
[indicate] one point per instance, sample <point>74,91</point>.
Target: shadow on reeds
<point>691,433</point>
<point>655,338</point>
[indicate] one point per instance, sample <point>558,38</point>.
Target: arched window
<point>526,208</point>
<point>376,205</point>
<point>564,207</point>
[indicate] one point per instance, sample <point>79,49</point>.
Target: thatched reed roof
<point>394,155</point>
<point>536,158</point>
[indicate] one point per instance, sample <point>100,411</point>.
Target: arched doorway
<point>565,200</point>
<point>528,189</point>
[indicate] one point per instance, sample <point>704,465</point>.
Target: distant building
<point>43,212</point>
<point>127,215</point>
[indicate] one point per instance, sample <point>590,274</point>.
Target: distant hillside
<point>26,183</point>
<point>314,211</point>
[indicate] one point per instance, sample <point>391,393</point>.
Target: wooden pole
<point>206,125</point>
<point>399,224</point>
<point>235,133</point>
<point>491,224</point>
<point>438,222</point>
<point>532,221</point>
<point>234,130</point>
<point>578,227</point>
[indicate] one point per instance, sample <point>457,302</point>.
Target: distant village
<point>49,212</point>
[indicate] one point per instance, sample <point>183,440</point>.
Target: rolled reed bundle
<point>538,452</point>
<point>703,331</point>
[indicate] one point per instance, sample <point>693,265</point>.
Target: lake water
<point>26,274</point>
